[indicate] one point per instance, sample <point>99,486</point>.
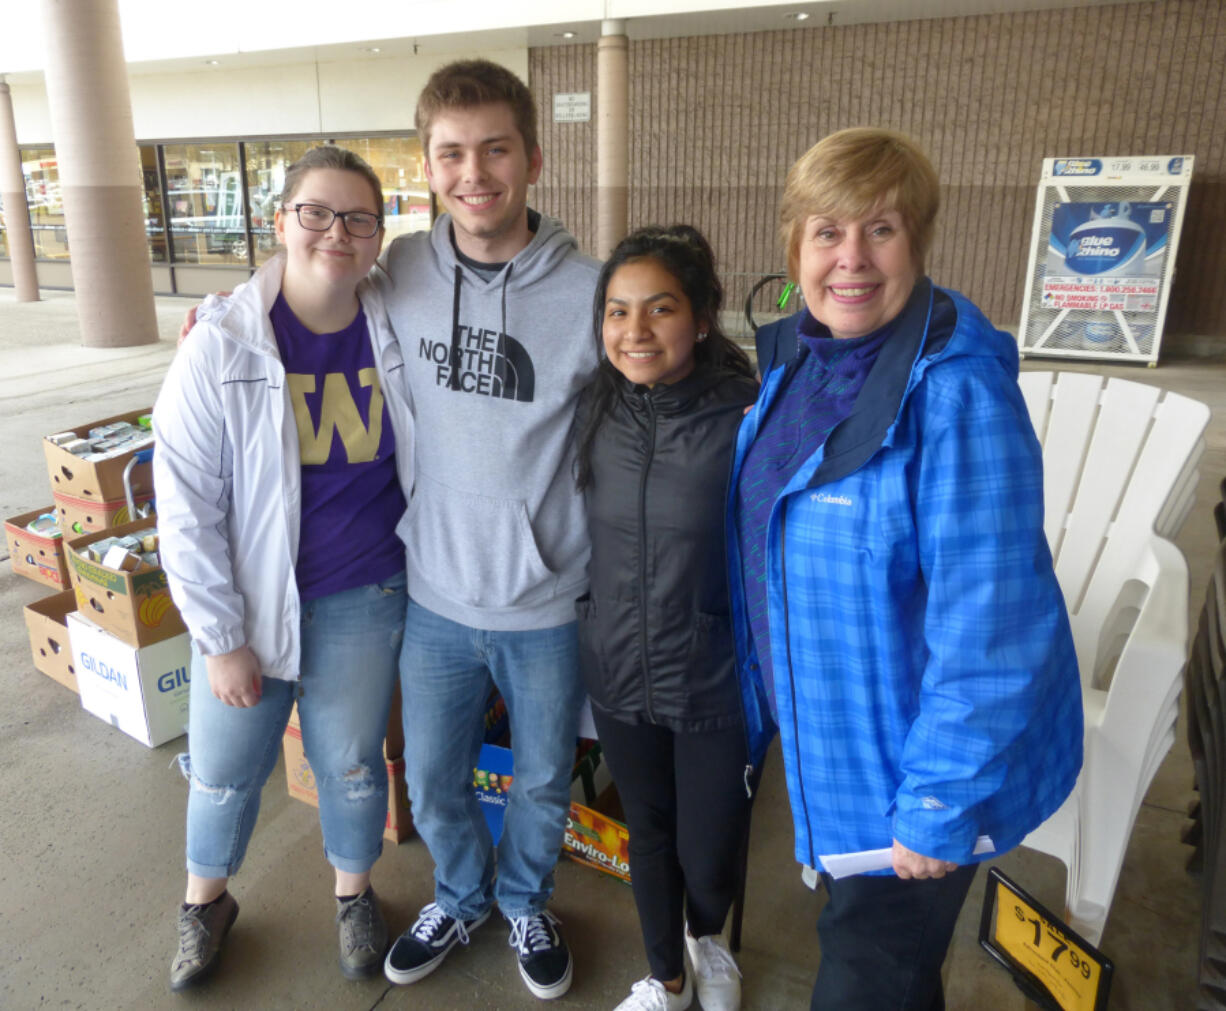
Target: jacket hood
<point>243,314</point>
<point>551,244</point>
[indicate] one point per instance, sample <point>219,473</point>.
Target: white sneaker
<point>649,995</point>
<point>716,976</point>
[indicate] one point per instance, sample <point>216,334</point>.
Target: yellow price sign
<point>1041,950</point>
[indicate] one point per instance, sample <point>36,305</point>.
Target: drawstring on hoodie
<point>456,357</point>
<point>453,380</point>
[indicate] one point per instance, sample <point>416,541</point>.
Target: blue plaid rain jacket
<point>924,670</point>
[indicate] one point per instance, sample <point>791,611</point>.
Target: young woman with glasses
<point>283,440</point>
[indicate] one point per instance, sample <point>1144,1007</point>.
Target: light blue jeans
<point>350,641</point>
<point>446,670</point>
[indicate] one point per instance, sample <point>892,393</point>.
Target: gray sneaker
<point>362,934</point>
<point>201,931</point>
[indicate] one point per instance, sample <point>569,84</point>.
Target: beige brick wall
<point>716,121</point>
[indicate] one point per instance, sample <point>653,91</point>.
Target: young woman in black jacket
<point>655,437</point>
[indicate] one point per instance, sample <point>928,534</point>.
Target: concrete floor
<point>92,822</point>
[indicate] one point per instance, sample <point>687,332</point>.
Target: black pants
<point>686,809</point>
<point>883,941</point>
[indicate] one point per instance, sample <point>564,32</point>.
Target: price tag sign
<point>1050,962</point>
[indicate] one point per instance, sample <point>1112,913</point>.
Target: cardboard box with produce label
<point>301,781</point>
<point>134,606</point>
<point>34,554</point>
<point>96,476</point>
<point>78,516</point>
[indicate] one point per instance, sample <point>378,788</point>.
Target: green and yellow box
<point>133,606</point>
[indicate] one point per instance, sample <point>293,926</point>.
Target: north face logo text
<point>491,364</point>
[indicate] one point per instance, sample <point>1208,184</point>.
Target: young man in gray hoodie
<point>493,312</point>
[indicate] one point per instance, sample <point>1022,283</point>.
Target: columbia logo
<point>825,499</point>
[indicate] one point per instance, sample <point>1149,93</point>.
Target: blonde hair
<point>851,173</point>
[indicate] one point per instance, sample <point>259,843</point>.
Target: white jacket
<point>227,474</point>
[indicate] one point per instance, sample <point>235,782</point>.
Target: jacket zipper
<point>787,641</point>
<point>651,449</point>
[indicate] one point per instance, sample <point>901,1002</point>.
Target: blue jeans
<point>445,674</point>
<point>349,643</point>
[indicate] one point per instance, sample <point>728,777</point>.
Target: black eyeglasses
<point>317,218</point>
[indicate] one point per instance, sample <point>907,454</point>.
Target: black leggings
<point>686,809</point>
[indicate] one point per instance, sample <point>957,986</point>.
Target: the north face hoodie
<point>495,529</point>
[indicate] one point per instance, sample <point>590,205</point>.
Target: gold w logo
<point>337,413</point>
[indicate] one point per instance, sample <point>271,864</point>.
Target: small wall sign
<point>572,107</point>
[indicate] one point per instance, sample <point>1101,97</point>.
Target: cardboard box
<point>596,832</point>
<point>143,691</point>
<point>47,622</point>
<point>78,516</point>
<point>596,838</point>
<point>393,743</point>
<point>36,556</point>
<point>134,606</point>
<point>98,482</point>
<point>492,779</point>
<point>301,782</point>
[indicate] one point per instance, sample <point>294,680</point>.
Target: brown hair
<point>469,83</point>
<point>851,173</point>
<point>329,156</point>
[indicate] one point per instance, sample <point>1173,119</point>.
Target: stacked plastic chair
<point>1205,687</point>
<point>1120,471</point>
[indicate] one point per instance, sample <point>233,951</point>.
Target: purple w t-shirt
<point>351,496</point>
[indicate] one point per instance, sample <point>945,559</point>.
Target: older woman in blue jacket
<point>896,610</point>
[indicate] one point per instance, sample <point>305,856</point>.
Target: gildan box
<point>78,516</point>
<point>301,782</point>
<point>36,556</point>
<point>143,691</point>
<point>134,606</point>
<point>101,481</point>
<point>47,622</point>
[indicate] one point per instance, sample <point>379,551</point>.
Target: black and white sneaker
<point>421,949</point>
<point>544,959</point>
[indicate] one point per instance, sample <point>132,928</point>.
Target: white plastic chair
<point>1120,471</point>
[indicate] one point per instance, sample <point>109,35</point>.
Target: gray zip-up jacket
<point>228,478</point>
<point>495,528</point>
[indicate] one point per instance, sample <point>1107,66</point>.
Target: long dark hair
<point>684,252</point>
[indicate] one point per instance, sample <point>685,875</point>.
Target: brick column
<point>16,210</point>
<point>612,136</point>
<point>99,168</point>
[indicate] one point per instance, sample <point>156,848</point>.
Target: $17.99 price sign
<point>1049,961</point>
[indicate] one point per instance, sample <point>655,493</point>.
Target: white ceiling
<point>161,36</point>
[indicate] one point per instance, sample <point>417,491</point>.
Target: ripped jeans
<point>350,644</point>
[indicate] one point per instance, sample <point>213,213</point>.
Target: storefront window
<point>155,221</point>
<point>202,219</point>
<point>401,168</point>
<point>205,194</point>
<point>42,176</point>
<point>267,161</point>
